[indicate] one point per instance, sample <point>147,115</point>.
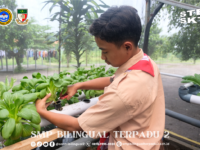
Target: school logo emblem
<point>22,15</point>
<point>6,16</point>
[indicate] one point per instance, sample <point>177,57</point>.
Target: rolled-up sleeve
<point>106,115</point>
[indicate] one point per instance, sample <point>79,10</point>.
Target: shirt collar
<point>133,60</point>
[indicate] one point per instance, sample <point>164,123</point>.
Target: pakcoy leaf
<point>2,89</point>
<point>186,81</point>
<point>32,97</point>
<point>37,127</point>
<point>35,81</point>
<point>58,83</point>
<point>42,93</point>
<point>43,77</point>
<point>17,97</point>
<point>36,75</point>
<point>3,105</point>
<point>8,128</point>
<point>17,88</point>
<point>65,84</point>
<point>30,106</point>
<point>68,79</point>
<point>7,84</point>
<point>197,76</point>
<point>4,113</point>
<point>42,86</point>
<point>191,78</point>
<point>55,76</point>
<point>25,77</point>
<point>27,129</point>
<point>1,125</point>
<point>8,98</point>
<point>35,117</point>
<point>25,113</point>
<point>17,131</point>
<point>22,92</point>
<point>26,84</point>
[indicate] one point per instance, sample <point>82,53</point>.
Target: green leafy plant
<point>4,87</point>
<point>194,79</point>
<point>42,85</point>
<point>18,118</point>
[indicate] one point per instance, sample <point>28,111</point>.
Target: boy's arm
<point>95,84</point>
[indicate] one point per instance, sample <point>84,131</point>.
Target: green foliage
<point>82,75</point>
<point>194,79</point>
<point>16,113</point>
<point>39,86</point>
<point>76,14</point>
<point>157,43</point>
<point>4,87</point>
<point>21,37</point>
<point>186,41</point>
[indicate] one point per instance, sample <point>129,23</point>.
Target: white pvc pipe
<point>72,110</point>
<point>195,99</point>
<point>171,75</point>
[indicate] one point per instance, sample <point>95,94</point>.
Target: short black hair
<point>117,25</point>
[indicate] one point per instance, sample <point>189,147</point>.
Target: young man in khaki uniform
<point>132,108</point>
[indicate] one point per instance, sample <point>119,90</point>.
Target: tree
<point>30,36</point>
<point>185,41</point>
<point>7,32</point>
<point>73,14</point>
<point>20,37</point>
<point>155,40</point>
<point>85,42</point>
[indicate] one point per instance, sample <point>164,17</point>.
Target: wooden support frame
<point>26,144</point>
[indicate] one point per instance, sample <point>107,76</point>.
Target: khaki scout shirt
<point>133,103</point>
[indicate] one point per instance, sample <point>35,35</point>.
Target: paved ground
<point>172,100</point>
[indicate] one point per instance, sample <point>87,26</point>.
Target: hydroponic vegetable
<point>55,86</point>
<point>41,86</point>
<point>194,79</point>
<point>4,87</point>
<point>16,115</point>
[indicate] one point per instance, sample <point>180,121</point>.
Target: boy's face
<point>113,55</point>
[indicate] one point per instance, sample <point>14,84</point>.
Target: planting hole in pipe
<point>58,106</point>
<point>86,100</point>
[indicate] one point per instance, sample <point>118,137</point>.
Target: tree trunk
<point>59,41</point>
<point>70,57</point>
<point>68,60</point>
<point>18,62</point>
<point>78,61</point>
<point>6,62</point>
<point>86,56</point>
<point>1,63</point>
<point>194,61</point>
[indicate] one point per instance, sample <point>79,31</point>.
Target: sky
<point>35,10</point>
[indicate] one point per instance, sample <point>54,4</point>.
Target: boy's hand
<point>41,104</point>
<point>71,91</point>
